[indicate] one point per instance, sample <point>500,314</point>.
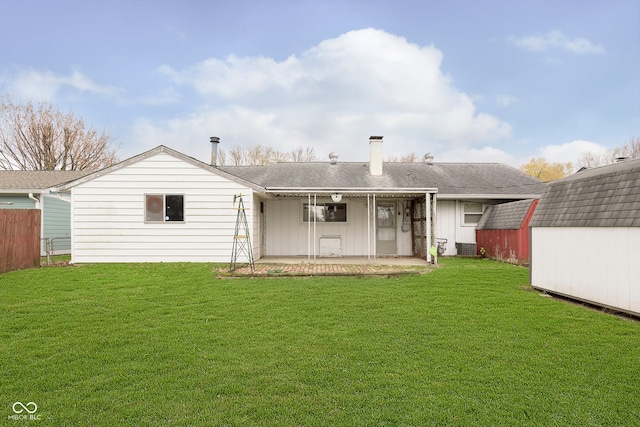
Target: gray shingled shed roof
<point>449,178</point>
<point>608,196</point>
<point>36,180</point>
<point>505,216</point>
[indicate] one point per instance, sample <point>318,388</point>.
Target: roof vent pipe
<point>375,155</point>
<point>214,150</point>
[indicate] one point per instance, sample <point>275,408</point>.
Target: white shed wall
<point>599,265</point>
<point>107,214</point>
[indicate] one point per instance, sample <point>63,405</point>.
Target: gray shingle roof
<point>448,178</point>
<point>608,196</point>
<point>36,180</point>
<point>505,216</point>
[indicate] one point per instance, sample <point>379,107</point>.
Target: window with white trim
<point>163,208</point>
<point>471,213</point>
<point>324,212</point>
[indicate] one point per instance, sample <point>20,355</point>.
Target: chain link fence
<point>53,247</point>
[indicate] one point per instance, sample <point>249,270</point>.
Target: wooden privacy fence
<point>19,239</point>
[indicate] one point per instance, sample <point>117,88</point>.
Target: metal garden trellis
<point>241,237</point>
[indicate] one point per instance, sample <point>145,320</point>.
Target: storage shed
<point>585,237</point>
<point>503,231</point>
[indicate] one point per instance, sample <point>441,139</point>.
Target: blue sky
<point>496,81</point>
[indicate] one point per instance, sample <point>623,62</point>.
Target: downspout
<point>37,206</point>
<point>35,199</point>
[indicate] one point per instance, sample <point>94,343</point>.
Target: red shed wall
<point>507,245</point>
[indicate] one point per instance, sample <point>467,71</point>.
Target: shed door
<point>386,229</point>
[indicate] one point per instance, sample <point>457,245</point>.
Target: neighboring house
<point>33,189</point>
<point>165,206</point>
<point>585,237</point>
<point>503,231</point>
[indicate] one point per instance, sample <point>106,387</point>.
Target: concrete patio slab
<point>345,266</point>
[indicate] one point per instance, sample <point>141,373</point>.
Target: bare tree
<point>261,155</point>
<point>301,155</point>
<point>43,138</point>
<point>631,150</point>
<point>405,158</point>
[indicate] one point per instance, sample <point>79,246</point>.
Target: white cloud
<point>333,97</point>
<point>162,97</point>
<point>39,85</point>
<point>505,100</point>
<point>571,151</point>
<point>558,40</point>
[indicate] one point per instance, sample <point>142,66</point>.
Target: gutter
<point>462,196</point>
<point>350,190</point>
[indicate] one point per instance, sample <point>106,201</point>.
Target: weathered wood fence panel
<point>19,239</point>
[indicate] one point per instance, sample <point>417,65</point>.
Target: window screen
<point>164,208</point>
<point>472,213</point>
<point>325,212</point>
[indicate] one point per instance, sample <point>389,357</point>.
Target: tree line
<point>541,168</point>
<point>41,137</point>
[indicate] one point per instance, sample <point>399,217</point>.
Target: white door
<point>386,229</point>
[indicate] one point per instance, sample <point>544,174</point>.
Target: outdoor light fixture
<point>336,197</point>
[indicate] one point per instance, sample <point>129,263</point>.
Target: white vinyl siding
<point>16,202</point>
<point>56,217</point>
<point>595,264</point>
<point>108,214</point>
<point>447,225</point>
<point>287,233</point>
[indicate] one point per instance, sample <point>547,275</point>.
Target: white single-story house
<point>585,237</point>
<point>35,190</point>
<point>163,206</point>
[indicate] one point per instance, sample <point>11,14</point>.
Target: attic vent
<point>621,159</point>
<point>428,158</point>
<point>333,157</point>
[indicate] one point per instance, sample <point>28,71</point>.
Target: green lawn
<point>168,344</point>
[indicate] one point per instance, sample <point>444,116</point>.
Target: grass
<point>168,344</point>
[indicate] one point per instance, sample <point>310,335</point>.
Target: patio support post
<point>427,231</point>
<point>375,227</point>
<point>434,223</point>
<point>315,209</point>
<point>368,227</point>
<point>309,227</point>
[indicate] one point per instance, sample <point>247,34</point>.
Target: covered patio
<point>418,213</point>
